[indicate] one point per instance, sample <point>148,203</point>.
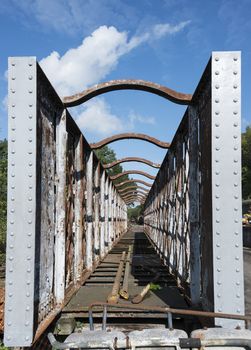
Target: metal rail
<point>133,192</point>
<point>131,159</point>
<point>129,136</point>
<point>168,309</point>
<point>139,172</point>
<point>133,187</point>
<point>124,84</point>
<point>134,196</point>
<point>121,184</point>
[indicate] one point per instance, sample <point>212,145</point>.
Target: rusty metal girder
<point>134,197</point>
<point>132,181</point>
<point>132,187</point>
<point>133,192</point>
<point>139,172</point>
<point>127,84</point>
<point>130,135</point>
<point>131,159</point>
<point>132,200</point>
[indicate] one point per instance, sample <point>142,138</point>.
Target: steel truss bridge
<point>65,214</point>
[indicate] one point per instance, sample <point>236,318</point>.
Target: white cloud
<point>159,30</point>
<point>88,63</point>
<point>97,118</point>
<point>135,117</point>
<point>96,57</point>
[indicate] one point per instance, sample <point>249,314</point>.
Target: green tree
<point>135,213</point>
<point>107,155</point>
<point>3,197</point>
<point>246,163</point>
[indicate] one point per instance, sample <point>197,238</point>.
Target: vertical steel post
<point>61,145</point>
<point>194,219</point>
<point>79,199</point>
<point>89,210</point>
<point>226,185</point>
<point>115,206</point>
<point>21,217</point>
<point>106,214</point>
<point>110,214</point>
<point>102,214</point>
<point>96,211</point>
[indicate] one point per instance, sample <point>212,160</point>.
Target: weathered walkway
<point>145,264</point>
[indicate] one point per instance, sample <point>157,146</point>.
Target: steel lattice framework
<point>65,213</point>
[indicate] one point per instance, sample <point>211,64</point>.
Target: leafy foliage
<point>154,286</point>
<point>246,163</point>
<point>135,213</point>
<point>3,196</point>
<point>107,155</point>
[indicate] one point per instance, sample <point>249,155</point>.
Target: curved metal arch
<point>133,180</point>
<point>127,84</point>
<point>133,196</point>
<point>130,135</point>
<point>133,192</point>
<point>131,159</point>
<point>133,187</point>
<point>134,200</point>
<point>139,172</point>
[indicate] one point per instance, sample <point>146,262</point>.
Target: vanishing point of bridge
<point>68,240</point>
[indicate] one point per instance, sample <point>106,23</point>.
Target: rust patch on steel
<point>127,84</point>
<point>171,310</point>
<point>139,172</point>
<point>131,159</point>
<point>133,187</point>
<point>133,192</point>
<point>132,181</point>
<point>134,196</point>
<point>130,135</point>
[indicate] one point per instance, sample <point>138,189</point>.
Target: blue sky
<point>81,43</point>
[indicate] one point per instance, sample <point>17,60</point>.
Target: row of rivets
<point>217,147</point>
<point>11,193</point>
<point>11,212</point>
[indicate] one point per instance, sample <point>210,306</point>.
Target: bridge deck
<point>99,284</point>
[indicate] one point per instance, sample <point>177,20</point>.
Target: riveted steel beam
<point>132,187</point>
<point>127,84</point>
<point>131,159</point>
<point>56,188</point>
<point>134,196</point>
<point>133,192</point>
<point>134,199</point>
<point>139,172</point>
<point>132,181</point>
<point>127,136</point>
